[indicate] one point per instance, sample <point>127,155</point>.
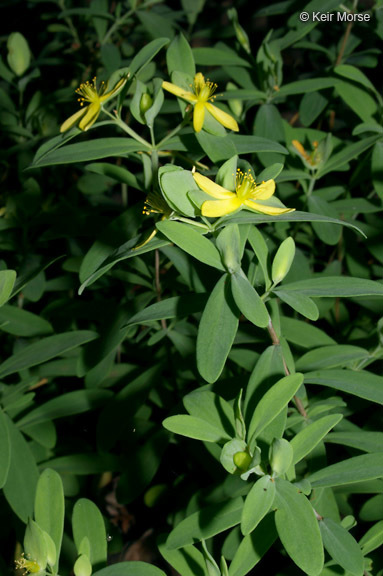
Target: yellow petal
<point>92,113</point>
<point>222,117</point>
<point>72,120</point>
<point>180,92</point>
<point>118,87</point>
<point>198,116</point>
<point>264,190</point>
<point>216,208</point>
<point>264,209</point>
<point>212,188</point>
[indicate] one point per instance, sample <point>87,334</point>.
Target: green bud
<point>145,103</point>
<point>19,54</point>
<point>82,566</point>
<point>242,460</point>
<point>228,243</point>
<point>280,456</point>
<point>235,105</point>
<point>283,260</point>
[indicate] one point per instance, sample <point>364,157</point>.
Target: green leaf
<point>75,402</point>
<point>175,183</point>
<point>194,427</point>
<point>298,528</point>
<point>20,487</point>
<point>216,332</point>
<point>44,350</point>
<point>331,357</point>
<point>146,54</point>
<point>253,547</point>
<point>359,383</point>
<point>248,144</point>
<point>192,241</point>
<point>92,150</point>
<point>354,74</point>
<point>7,281</point>
<point>310,436</point>
<point>273,402</point>
<point>217,57</point>
<point>305,86</point>
<point>304,334</point>
<point>217,148</point>
<point>50,507</point>
<point>131,568</point>
<point>357,469</point>
<point>20,322</point>
<point>188,561</point>
<point>348,153</point>
<point>82,566</point>
<point>326,232</point>
<point>283,260</point>
<point>19,54</point>
<point>212,408</point>
<point>299,302</point>
<point>35,545</point>
<point>342,547</point>
<point>257,504</point>
<point>358,99</point>
<point>372,539</point>
<point>228,244</point>
<point>175,307</point>
<point>117,173</point>
<point>376,168</point>
<point>248,301</point>
<point>359,439</point>
<point>179,56</point>
<point>206,523</point>
<point>5,449</point>
<point>246,217</point>
<point>87,522</point>
<point>84,464</point>
<point>335,286</point>
<point>261,251</point>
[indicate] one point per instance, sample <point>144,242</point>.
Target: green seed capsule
<point>146,102</point>
<point>242,460</point>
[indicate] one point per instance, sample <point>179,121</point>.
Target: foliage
<point>191,292</point>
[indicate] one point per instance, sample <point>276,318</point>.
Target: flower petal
<point>212,188</point>
<point>264,209</point>
<point>118,87</point>
<point>216,208</point>
<point>264,191</point>
<point>180,92</point>
<point>222,117</point>
<point>198,116</point>
<point>92,113</point>
<point>72,120</point>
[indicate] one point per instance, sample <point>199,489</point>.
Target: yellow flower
<point>247,193</point>
<point>89,92</point>
<point>314,158</point>
<point>203,91</point>
<point>29,566</point>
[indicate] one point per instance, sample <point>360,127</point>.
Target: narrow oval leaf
<point>372,539</point>
<point>361,383</point>
<point>298,528</point>
<point>87,522</point>
<point>342,547</point>
<point>357,469</point>
<point>283,260</point>
<point>248,301</point>
<point>216,332</point>
<point>23,474</point>
<point>211,408</point>
<point>257,504</point>
<point>299,302</point>
<point>306,440</point>
<point>194,427</point>
<point>192,241</point>
<point>20,322</point>
<point>44,350</point>
<point>50,507</point>
<point>253,547</point>
<point>7,281</point>
<point>273,402</point>
<point>334,286</point>
<point>330,357</point>
<point>206,523</point>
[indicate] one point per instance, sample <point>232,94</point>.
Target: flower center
<point>204,90</point>
<point>89,93</point>
<point>155,204</point>
<point>244,184</point>
<point>29,566</point>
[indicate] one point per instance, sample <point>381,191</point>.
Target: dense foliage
<point>191,288</point>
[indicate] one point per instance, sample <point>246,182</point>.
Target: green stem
<point>172,133</point>
<point>311,186</point>
<point>119,22</point>
<point>193,222</point>
<point>127,129</point>
<point>154,157</point>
